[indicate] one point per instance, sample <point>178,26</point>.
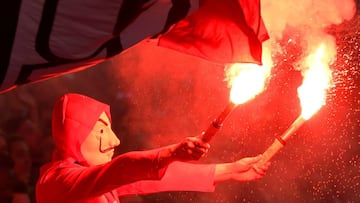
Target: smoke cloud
<point>305,23</point>
<point>309,16</point>
<point>171,96</point>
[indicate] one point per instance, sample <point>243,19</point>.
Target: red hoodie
<point>66,180</point>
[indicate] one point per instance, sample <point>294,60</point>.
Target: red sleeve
<point>67,180</point>
<point>179,176</point>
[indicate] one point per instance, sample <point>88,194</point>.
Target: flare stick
<point>279,143</point>
<point>214,127</point>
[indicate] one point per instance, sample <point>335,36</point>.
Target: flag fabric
<point>44,39</point>
<point>226,31</point>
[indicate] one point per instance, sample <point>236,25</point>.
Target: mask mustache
<point>106,149</point>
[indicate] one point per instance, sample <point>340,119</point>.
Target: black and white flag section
<point>47,38</point>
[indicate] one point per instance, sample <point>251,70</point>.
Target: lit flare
<point>317,80</point>
<point>246,80</point>
<point>312,95</point>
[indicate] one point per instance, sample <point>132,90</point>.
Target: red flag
<point>226,31</point>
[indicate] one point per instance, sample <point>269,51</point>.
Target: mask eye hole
<point>101,131</point>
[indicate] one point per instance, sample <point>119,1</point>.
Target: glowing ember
<point>248,80</point>
<point>316,82</point>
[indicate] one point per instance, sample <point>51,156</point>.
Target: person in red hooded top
<point>83,169</point>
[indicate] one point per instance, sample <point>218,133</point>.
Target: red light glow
<point>316,82</point>
<point>247,79</point>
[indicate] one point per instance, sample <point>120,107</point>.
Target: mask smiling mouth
<point>106,150</point>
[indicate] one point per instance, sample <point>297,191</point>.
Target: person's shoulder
<point>57,167</point>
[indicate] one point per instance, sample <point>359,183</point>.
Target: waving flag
<point>48,38</point>
<point>226,31</point>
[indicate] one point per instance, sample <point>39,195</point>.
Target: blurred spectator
<point>24,137</point>
<point>6,165</point>
<point>47,147</point>
<point>23,170</point>
<point>20,154</point>
<point>3,143</point>
<point>29,131</point>
<point>32,135</point>
<point>12,190</point>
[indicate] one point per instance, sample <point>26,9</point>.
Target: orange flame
<point>248,80</point>
<point>316,81</point>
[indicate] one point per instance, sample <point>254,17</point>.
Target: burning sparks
<point>316,82</point>
<point>312,94</point>
<point>248,80</point>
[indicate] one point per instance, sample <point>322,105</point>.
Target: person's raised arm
<point>241,170</point>
<point>181,176</point>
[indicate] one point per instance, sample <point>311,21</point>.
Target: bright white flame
<point>316,82</point>
<point>248,80</point>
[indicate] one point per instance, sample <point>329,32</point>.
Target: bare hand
<point>244,169</point>
<point>241,170</point>
<point>192,148</point>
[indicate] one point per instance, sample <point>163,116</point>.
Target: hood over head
<point>73,118</point>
